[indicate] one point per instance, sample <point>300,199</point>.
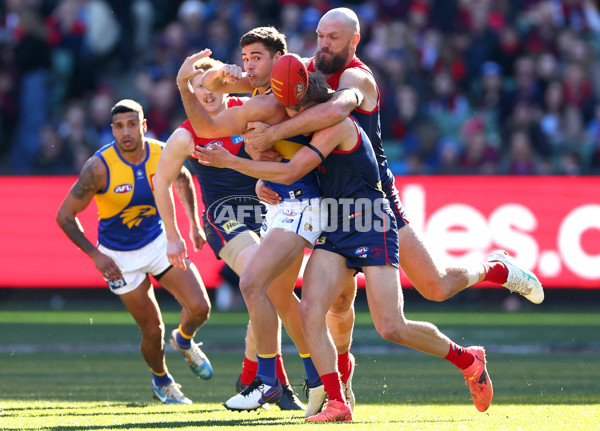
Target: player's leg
<point>340,321</point>
<point>236,253</point>
<point>439,283</point>
<point>187,287</point>
<point>320,289</point>
<point>143,307</point>
<point>386,304</point>
<point>277,251</point>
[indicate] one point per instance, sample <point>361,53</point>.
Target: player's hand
<point>231,73</point>
<point>266,194</point>
<point>212,155</point>
<point>258,135</point>
<point>177,252</point>
<point>187,70</point>
<point>269,155</point>
<point>107,267</point>
<point>198,237</point>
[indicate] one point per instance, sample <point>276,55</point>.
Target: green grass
<point>81,369</point>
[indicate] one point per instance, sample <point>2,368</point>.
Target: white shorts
<point>299,216</point>
<point>137,264</point>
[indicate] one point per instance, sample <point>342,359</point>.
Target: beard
<point>334,64</point>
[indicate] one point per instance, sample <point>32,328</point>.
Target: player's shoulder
<point>356,76</point>
<point>154,144</point>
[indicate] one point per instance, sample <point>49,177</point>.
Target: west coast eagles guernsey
<point>306,187</point>
<point>128,218</point>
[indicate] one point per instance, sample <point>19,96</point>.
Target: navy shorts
<point>365,240</point>
<point>391,192</point>
<point>220,231</point>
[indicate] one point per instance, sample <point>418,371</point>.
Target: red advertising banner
<point>549,224</point>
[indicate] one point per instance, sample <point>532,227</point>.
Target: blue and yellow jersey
<point>127,214</point>
<point>306,187</point>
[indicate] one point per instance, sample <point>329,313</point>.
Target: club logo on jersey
<point>361,251</point>
<point>134,215</point>
<point>289,213</point>
<point>123,188</point>
<point>232,225</point>
<point>308,227</point>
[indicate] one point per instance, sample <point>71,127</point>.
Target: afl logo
<point>123,188</point>
<point>361,250</point>
<point>219,143</point>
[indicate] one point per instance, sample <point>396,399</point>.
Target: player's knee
<point>249,284</point>
<point>311,312</point>
<point>153,332</point>
<point>342,304</point>
<point>200,310</point>
<point>434,292</point>
<point>391,331</point>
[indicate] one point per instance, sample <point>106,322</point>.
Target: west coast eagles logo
<point>308,227</point>
<point>134,215</point>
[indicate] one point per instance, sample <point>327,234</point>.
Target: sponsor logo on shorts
<point>123,188</point>
<point>361,251</point>
<point>321,240</point>
<point>232,225</point>
<point>288,220</point>
<point>231,212</point>
<point>116,284</point>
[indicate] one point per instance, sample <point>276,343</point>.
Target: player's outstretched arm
<point>232,121</point>
<point>172,158</point>
<point>92,179</point>
<point>228,78</point>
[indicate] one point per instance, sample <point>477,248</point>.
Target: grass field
<point>79,368</point>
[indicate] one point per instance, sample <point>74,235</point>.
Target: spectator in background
<point>521,159</point>
<point>54,157</point>
<point>33,65</point>
<point>479,157</point>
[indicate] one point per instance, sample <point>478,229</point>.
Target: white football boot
<point>519,280</point>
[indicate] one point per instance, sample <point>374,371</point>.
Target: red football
<point>289,79</point>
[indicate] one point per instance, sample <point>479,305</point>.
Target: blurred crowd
<point>467,86</point>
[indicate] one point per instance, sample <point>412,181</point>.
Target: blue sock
<point>183,342</point>
<point>266,369</point>
<point>162,379</point>
<point>312,374</point>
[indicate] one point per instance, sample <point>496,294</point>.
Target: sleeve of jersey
<point>234,101</point>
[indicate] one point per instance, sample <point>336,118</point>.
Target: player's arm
<point>92,179</point>
<point>305,160</point>
<point>179,147</point>
<point>358,90</point>
<point>184,187</point>
<point>228,78</point>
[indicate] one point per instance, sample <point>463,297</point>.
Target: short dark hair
<point>270,37</point>
<point>127,105</point>
<point>317,91</point>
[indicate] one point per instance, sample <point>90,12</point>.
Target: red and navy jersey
<point>370,123</point>
<point>217,184</point>
<point>353,174</point>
